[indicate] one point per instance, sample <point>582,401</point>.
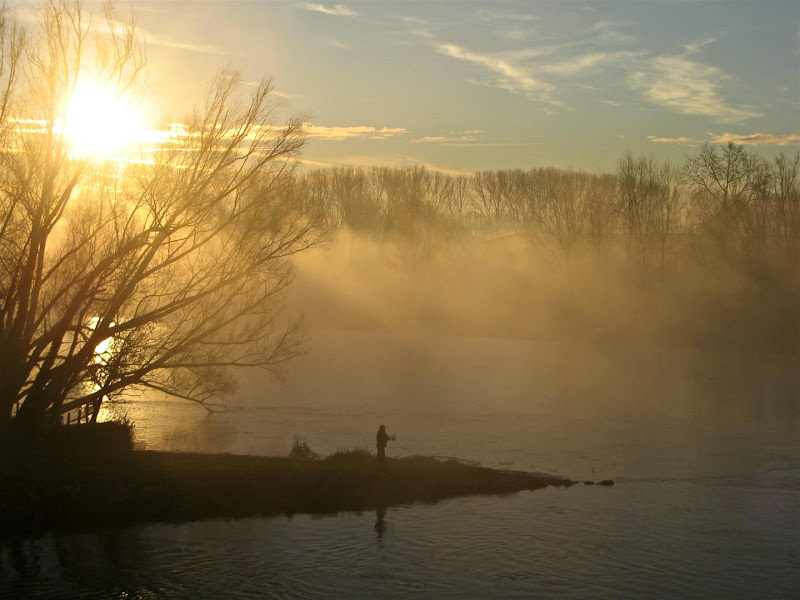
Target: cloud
<point>697,46</point>
<point>494,15</point>
<point>373,160</point>
<point>688,87</point>
<point>757,139</point>
<point>285,95</point>
<point>169,42</point>
<point>523,70</point>
<point>417,27</point>
<point>742,139</point>
<point>414,21</point>
<point>609,31</point>
<point>468,139</point>
<point>508,74</point>
<point>515,34</point>
<point>671,140</point>
<point>454,136</point>
<point>346,133</point>
<point>338,10</point>
<point>164,41</point>
<point>579,64</point>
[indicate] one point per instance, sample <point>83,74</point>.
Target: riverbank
<point>80,490</point>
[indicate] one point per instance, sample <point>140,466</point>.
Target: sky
<point>463,86</point>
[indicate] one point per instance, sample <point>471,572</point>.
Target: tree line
<point>724,203</point>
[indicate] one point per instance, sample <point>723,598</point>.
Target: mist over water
<point>706,501</point>
<point>488,352</point>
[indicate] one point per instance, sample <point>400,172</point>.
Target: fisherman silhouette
<point>382,439</point>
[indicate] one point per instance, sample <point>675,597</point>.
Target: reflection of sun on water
<point>102,353</point>
<point>100,122</point>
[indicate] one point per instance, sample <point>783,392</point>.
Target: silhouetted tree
<point>649,206</point>
<point>601,215</point>
<point>490,191</point>
<point>357,198</point>
<point>158,274</point>
<point>774,222</point>
<point>558,209</point>
<point>723,184</point>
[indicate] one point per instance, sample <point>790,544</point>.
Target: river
<point>704,448</point>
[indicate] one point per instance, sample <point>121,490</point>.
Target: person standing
<point>382,439</point>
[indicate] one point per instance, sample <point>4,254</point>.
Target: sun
<point>99,122</point>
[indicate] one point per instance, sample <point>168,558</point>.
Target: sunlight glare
<point>99,122</point>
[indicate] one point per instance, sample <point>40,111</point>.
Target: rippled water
<point>705,454</point>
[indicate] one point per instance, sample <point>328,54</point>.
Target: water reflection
<point>111,563</point>
<point>380,521</point>
<point>671,539</point>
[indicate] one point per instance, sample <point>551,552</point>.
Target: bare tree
<point>158,274</point>
<point>357,199</point>
<point>490,195</point>
<point>558,210</point>
<point>722,182</point>
<point>774,218</point>
<point>649,204</point>
<point>601,216</point>
<point>460,197</point>
<point>405,192</point>
<point>786,193</point>
<point>668,208</point>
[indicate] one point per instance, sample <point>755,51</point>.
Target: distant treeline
<point>723,204</point>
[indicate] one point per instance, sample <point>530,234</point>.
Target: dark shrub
<point>300,449</point>
<point>351,455</point>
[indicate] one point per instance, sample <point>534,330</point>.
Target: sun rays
<point>100,123</point>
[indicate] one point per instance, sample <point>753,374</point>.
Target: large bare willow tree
<point>160,273</point>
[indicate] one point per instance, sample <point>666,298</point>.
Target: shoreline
<point>87,490</point>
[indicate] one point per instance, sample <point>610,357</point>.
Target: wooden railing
<point>71,414</point>
<point>82,414</point>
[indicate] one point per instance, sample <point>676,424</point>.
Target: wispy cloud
<point>346,133</point>
<point>508,74</point>
<point>169,42</point>
<point>471,135</point>
<point>514,34</point>
<point>688,87</point>
<point>377,160</point>
<point>758,139</point>
<point>253,83</point>
<point>337,10</point>
<point>494,15</point>
<point>162,40</point>
<point>286,95</point>
<point>580,64</point>
<point>611,32</point>
<point>743,139</point>
<point>672,140</point>
<point>414,21</point>
<point>697,46</point>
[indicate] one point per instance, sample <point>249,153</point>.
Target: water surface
<point>704,450</point>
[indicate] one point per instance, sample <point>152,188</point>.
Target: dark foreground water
<point>705,452</point>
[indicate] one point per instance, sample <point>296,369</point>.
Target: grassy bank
<point>85,488</point>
